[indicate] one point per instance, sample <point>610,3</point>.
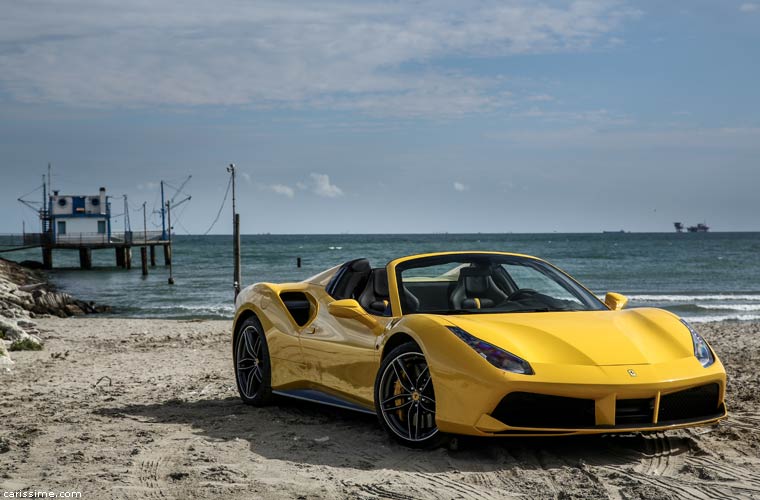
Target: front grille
<point>525,409</point>
<point>690,404</point>
<point>634,411</point>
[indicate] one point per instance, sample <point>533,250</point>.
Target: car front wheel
<point>405,398</point>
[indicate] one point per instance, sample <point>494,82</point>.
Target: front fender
<point>462,380</point>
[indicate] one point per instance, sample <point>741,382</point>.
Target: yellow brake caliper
<point>398,389</point>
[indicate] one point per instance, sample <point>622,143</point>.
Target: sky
<point>388,116</point>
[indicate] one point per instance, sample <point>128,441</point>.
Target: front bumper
<point>603,400</point>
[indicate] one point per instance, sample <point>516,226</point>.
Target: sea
<point>699,276</point>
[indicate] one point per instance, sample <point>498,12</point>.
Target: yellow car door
<point>341,355</point>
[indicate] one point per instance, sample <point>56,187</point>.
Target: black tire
<point>405,411</point>
<point>253,369</point>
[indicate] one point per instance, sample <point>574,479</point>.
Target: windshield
<point>488,283</point>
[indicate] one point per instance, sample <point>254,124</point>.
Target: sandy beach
<point>127,408</point>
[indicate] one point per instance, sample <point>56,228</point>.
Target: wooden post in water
<point>128,258</point>
<point>144,260</point>
<point>168,248</point>
<point>153,256</point>
<point>237,279</point>
<point>119,256</point>
<point>237,254</point>
<point>144,248</point>
<point>47,257</point>
<point>85,258</point>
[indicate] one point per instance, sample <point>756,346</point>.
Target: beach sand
<point>127,408</point>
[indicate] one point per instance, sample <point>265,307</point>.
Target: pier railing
<point>129,238</point>
<point>118,238</point>
<point>23,240</point>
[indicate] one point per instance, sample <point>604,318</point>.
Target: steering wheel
<point>522,293</point>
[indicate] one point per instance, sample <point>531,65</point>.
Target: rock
<point>11,331</point>
<point>32,264</point>
<point>25,294</point>
<point>5,359</point>
<point>74,309</point>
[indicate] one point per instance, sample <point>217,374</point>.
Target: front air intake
<point>525,409</point>
<point>691,404</point>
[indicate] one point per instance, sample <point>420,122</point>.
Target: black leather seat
<point>376,298</point>
<point>352,280</point>
<point>476,289</point>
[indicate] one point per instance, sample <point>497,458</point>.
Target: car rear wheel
<point>252,364</point>
<point>405,398</point>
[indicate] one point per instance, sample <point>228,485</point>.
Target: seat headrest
<point>476,280</point>
<point>380,282</point>
<point>359,265</point>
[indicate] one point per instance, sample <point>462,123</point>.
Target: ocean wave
<point>729,307</point>
<point>217,309</point>
<point>690,298</point>
<point>722,317</point>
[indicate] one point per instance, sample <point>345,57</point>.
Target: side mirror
<point>346,308</point>
<point>350,309</point>
<point>615,301</point>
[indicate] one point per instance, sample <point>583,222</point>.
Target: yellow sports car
<point>478,343</point>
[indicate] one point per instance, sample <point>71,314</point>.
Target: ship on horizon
<point>699,228</point>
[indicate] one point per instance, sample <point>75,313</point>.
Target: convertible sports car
<point>478,343</point>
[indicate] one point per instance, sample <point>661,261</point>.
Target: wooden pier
<point>84,223</point>
<point>86,243</point>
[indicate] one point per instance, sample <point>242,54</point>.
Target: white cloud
<point>246,177</point>
<point>341,55</point>
<point>321,186</point>
<point>749,7</point>
<point>458,186</point>
<point>540,98</point>
<point>282,189</point>
<point>148,185</point>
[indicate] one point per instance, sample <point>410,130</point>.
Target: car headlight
<point>497,357</point>
<point>701,349</point>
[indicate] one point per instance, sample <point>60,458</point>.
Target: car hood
<point>595,338</point>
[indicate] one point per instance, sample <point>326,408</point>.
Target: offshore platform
<point>83,223</point>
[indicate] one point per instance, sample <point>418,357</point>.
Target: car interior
<point>472,287</point>
<point>476,289</point>
<point>357,280</point>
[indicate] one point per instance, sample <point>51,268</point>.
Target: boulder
<point>73,309</point>
<point>5,360</point>
<point>10,331</point>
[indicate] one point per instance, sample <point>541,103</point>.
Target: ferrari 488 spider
<point>477,343</point>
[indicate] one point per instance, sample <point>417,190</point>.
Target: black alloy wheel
<point>405,398</point>
<point>252,364</point>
